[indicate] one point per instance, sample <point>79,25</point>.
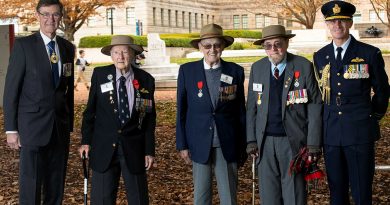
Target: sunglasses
<point>209,46</point>
<point>277,45</point>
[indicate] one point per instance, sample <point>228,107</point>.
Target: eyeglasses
<point>277,45</point>
<point>47,15</point>
<point>209,46</point>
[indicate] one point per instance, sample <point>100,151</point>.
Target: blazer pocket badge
<point>297,97</point>
<point>67,69</point>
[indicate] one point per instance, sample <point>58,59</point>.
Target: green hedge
<point>171,39</point>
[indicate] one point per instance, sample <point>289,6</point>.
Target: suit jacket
<point>102,130</point>
<point>302,121</point>
<point>31,103</point>
<point>195,115</point>
<point>353,114</point>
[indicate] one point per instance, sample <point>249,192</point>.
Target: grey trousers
<point>277,187</point>
<point>226,175</point>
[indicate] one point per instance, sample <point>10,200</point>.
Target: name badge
<point>257,87</point>
<point>226,79</point>
<point>106,87</point>
<point>67,69</point>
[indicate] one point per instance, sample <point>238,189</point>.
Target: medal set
<point>200,87</point>
<point>356,71</point>
<point>227,93</point>
<point>297,97</point>
<point>142,105</point>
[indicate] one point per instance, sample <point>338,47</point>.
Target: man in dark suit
<point>283,116</point>
<point>210,124</point>
<point>38,107</point>
<point>348,71</point>
<point>118,125</point>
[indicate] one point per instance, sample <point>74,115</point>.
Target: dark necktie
<point>338,57</point>
<point>124,114</point>
<point>276,73</point>
<point>53,62</point>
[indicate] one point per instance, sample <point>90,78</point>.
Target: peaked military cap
<point>338,10</point>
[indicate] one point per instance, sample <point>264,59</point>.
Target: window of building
<point>259,20</point>
<point>91,21</point>
<point>109,15</point>
<point>357,17</point>
<point>244,19</point>
<point>207,19</point>
<point>201,20</point>
<point>189,22</point>
<point>267,21</point>
<point>196,20</point>
<point>212,18</point>
<point>162,17</point>
<point>183,16</point>
<point>154,16</point>
<point>169,18</point>
<point>130,15</point>
<point>372,16</point>
<point>176,18</point>
<point>382,14</point>
<point>236,22</point>
<point>289,22</point>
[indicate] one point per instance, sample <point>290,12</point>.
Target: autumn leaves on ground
<point>170,182</point>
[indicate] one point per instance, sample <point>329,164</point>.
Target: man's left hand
<point>148,162</point>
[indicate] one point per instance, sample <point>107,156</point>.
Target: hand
<point>13,140</point>
<point>84,148</point>
<point>185,155</point>
<point>314,153</point>
<point>252,149</point>
<point>148,161</point>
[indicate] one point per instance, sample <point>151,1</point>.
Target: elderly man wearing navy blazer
<point>210,131</point>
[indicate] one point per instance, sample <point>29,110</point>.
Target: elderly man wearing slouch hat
<point>283,119</point>
<point>210,124</point>
<point>118,125</point>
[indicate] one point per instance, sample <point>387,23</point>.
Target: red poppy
<point>136,84</point>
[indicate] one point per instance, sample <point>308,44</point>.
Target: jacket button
<point>339,93</point>
<point>338,84</point>
<point>214,113</point>
<point>113,145</point>
<point>119,131</point>
<point>340,113</point>
<point>210,128</point>
<point>338,74</point>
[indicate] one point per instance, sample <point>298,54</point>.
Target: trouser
<point>105,185</point>
<point>42,172</point>
<point>350,165</point>
<point>226,175</point>
<point>277,187</point>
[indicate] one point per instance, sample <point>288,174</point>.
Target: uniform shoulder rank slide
<point>297,97</point>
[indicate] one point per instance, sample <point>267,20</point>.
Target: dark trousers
<point>350,165</point>
<point>105,185</point>
<point>43,169</point>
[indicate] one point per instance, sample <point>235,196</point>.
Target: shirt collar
<point>281,66</point>
<point>344,46</point>
<point>127,75</point>
<point>207,66</point>
<point>46,39</point>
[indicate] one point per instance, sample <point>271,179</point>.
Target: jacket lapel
<point>202,77</point>
<point>288,78</point>
<point>42,58</point>
<point>114,101</point>
<point>350,52</point>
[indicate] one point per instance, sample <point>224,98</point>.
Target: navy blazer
<point>102,130</point>
<point>195,115</point>
<point>353,113</point>
<point>31,103</point>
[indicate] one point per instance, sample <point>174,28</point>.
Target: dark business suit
<point>301,121</point>
<point>195,115</point>
<point>350,121</point>
<point>41,113</point>
<point>102,130</point>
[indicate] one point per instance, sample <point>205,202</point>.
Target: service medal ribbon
<point>296,76</point>
<point>200,86</point>
<point>136,86</point>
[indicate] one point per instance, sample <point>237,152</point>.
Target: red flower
<point>136,84</point>
<point>296,74</point>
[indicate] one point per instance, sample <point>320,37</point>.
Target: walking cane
<point>85,168</point>
<point>253,179</point>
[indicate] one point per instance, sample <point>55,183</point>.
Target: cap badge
<point>336,9</point>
